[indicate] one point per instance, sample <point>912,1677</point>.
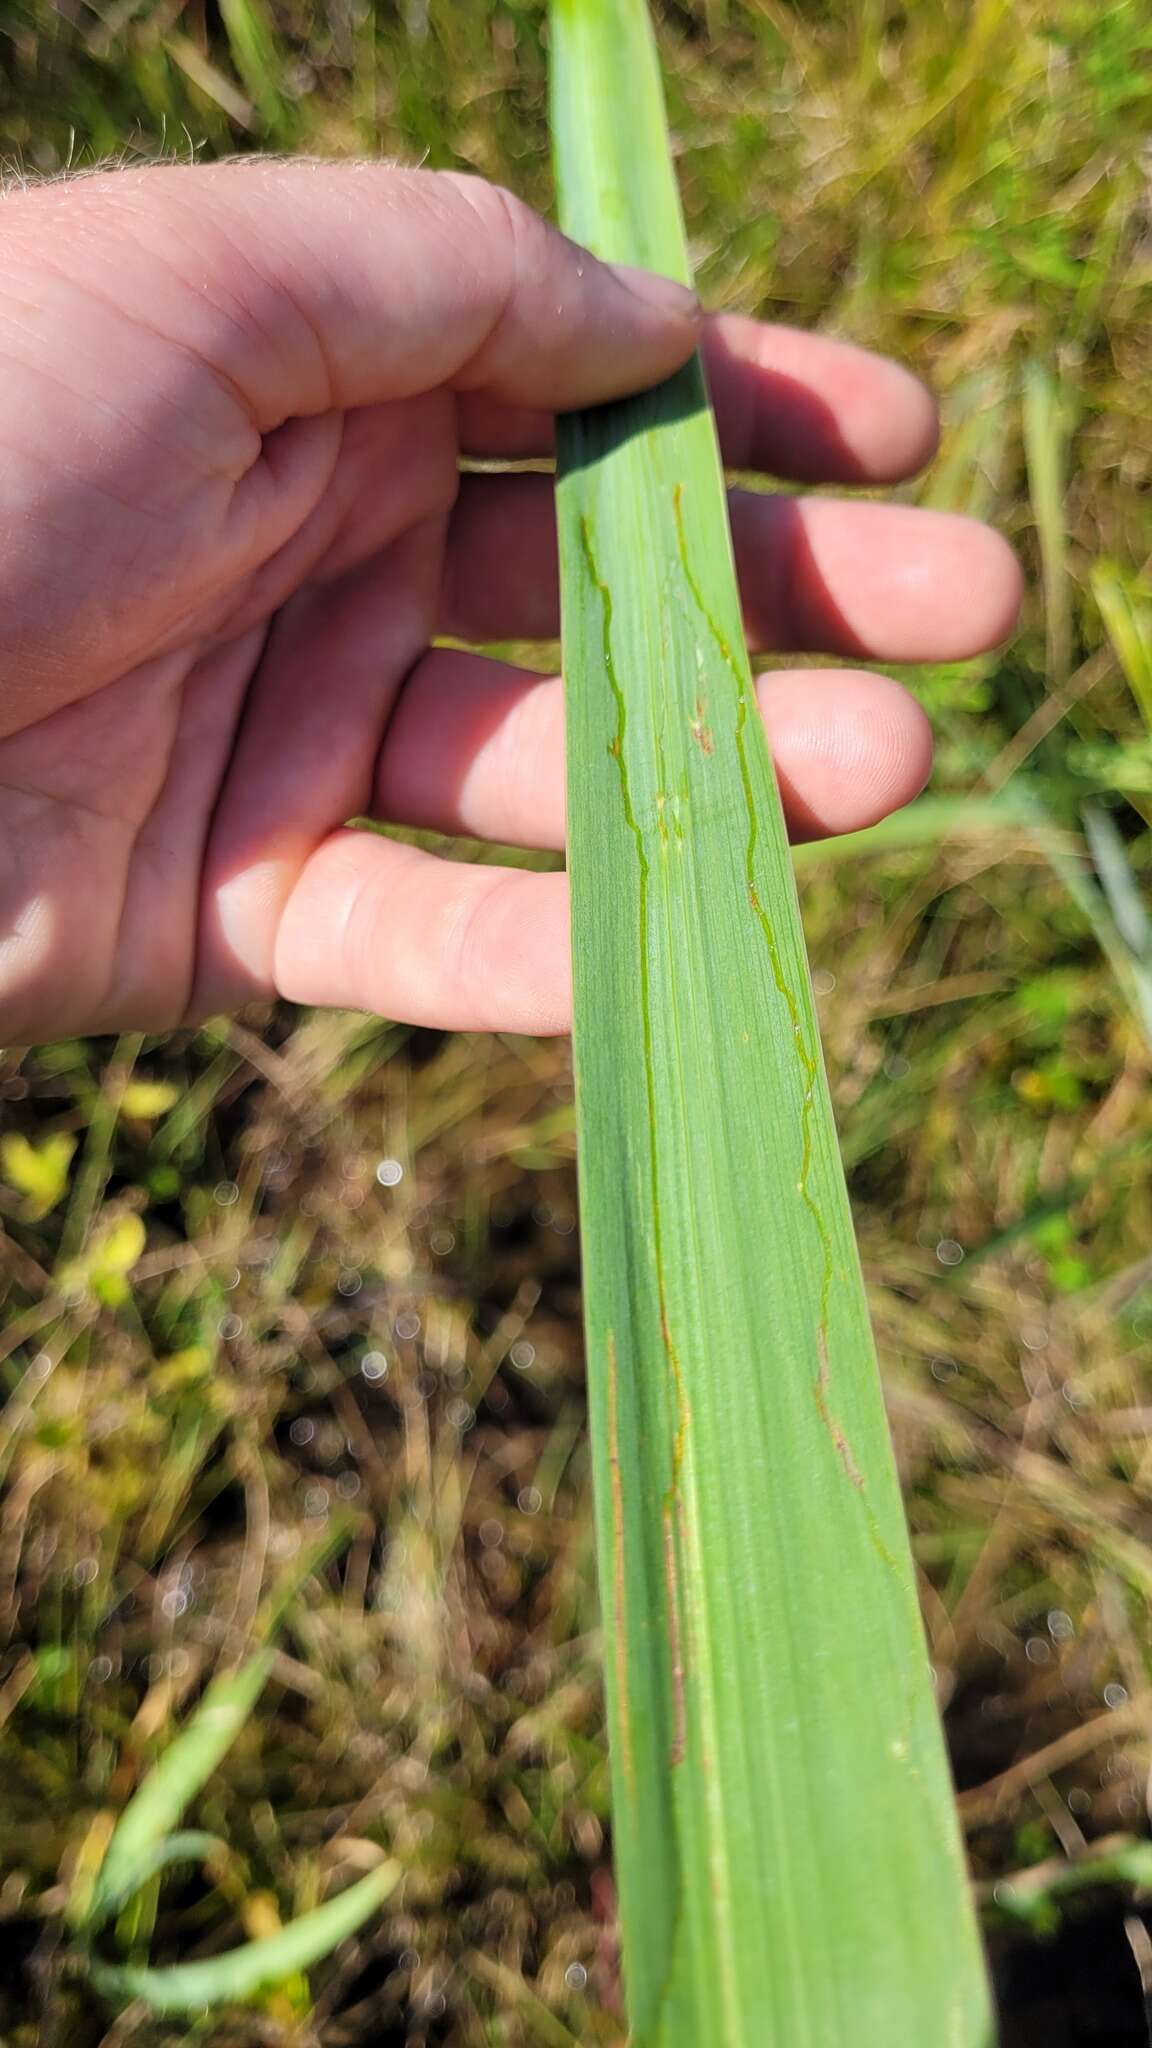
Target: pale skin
<point>233,403</point>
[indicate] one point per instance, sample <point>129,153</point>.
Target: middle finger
<point>817,575</point>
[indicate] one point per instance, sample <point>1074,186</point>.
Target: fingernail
<point>662,293</point>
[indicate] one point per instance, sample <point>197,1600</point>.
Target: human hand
<point>232,523</point>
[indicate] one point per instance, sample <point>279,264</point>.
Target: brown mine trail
<point>644,877</point>
<point>807,1056</point>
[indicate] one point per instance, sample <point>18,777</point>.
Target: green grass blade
<point>191,1846</point>
<point>1047,432</point>
<point>260,60</point>
<point>787,1854</point>
<point>186,1765</point>
<point>1129,962</point>
<point>931,821</point>
<point>1036,1897</point>
<point>175,1779</point>
<point>1120,886</point>
<point>258,1965</point>
<point>1126,608</point>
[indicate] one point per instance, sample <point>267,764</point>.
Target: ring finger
<point>817,575</point>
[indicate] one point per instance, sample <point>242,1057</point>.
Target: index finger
<point>306,287</point>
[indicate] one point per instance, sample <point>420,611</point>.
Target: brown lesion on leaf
<point>699,728</point>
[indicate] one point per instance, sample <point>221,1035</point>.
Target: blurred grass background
<point>300,1274</point>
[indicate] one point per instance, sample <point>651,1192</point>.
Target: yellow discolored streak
<point>619,1610</point>
<point>835,1431</point>
<point>675,1637</point>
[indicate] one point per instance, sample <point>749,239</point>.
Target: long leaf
<point>241,1972</point>
<point>788,1860</point>
<point>175,1779</point>
<point>184,1768</point>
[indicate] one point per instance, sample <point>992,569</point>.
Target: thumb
<point>570,330</point>
<point>310,286</point>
